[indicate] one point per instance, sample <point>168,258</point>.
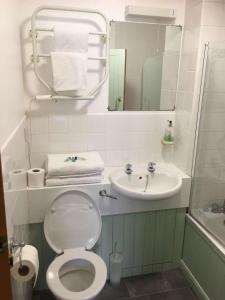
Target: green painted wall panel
<point>147,241</point>
<point>159,236</point>
<point>107,242</point>
<point>168,235</point>
<point>128,236</point>
<point>150,223</point>
<point>118,224</point>
<point>139,239</point>
<point>178,235</point>
<point>204,262</point>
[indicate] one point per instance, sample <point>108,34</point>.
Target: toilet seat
<point>72,225</point>
<point>72,221</point>
<point>56,285</point>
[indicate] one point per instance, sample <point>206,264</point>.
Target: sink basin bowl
<point>142,185</point>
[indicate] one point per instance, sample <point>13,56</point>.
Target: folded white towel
<point>74,176</point>
<point>73,180</point>
<point>69,71</point>
<point>87,162</point>
<point>68,39</point>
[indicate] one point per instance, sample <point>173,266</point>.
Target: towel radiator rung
<point>48,56</point>
<point>52,30</point>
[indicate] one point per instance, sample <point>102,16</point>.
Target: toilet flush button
<point>90,206</point>
<point>52,210</point>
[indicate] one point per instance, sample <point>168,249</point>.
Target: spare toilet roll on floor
<point>18,178</point>
<point>36,177</point>
<point>24,279</point>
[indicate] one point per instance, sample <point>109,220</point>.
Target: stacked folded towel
<point>76,168</point>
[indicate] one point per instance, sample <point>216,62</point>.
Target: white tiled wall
<point>186,88</point>
<point>80,126</point>
<point>119,137</point>
<point>205,22</point>
<point>113,10</point>
<point>14,155</point>
<point>210,159</point>
<point>11,86</point>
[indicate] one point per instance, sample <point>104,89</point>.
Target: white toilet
<point>72,226</point>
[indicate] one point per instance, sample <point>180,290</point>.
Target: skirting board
<point>193,281</point>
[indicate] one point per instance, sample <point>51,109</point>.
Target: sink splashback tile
<point>131,136</point>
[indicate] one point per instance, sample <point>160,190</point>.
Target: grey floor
<point>170,285</point>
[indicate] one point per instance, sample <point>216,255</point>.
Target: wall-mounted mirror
<point>143,68</point>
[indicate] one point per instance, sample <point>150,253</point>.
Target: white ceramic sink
<point>142,185</point>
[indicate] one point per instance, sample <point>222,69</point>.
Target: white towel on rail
<point>68,39</point>
<point>87,162</point>
<point>69,71</point>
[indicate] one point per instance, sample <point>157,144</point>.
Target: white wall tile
<point>39,124</point>
<point>116,123</point>
<point>38,159</point>
<point>59,143</point>
<point>213,14</point>
<point>96,141</point>
<point>78,123</point>
<point>212,34</point>
<point>114,158</point>
<point>78,142</point>
<point>58,123</point>
<point>96,123</point>
<point>40,143</point>
<point>213,122</point>
<point>115,141</point>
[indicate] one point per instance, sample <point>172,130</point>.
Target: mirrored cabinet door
<point>144,63</point>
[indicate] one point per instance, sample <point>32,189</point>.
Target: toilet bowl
<point>72,226</point>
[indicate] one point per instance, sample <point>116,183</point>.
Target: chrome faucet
<point>151,167</point>
<point>128,169</point>
<point>103,193</point>
<point>216,208</point>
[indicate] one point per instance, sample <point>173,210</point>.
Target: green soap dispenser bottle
<point>169,133</point>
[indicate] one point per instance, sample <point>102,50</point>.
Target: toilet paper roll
<point>36,177</point>
<point>18,178</point>
<point>22,280</point>
<point>29,254</point>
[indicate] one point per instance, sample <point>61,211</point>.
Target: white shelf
<point>167,143</point>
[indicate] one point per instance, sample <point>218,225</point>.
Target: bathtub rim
<point>213,243</point>
<point>217,246</point>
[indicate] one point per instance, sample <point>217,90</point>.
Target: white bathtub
<point>213,226</point>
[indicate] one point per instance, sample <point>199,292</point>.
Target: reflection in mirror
<point>144,63</point>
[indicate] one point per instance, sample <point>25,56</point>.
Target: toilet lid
<point>72,221</point>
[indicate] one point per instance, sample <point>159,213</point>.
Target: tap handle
<point>215,208</point>
<point>128,166</point>
<point>151,164</point>
<point>128,169</point>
